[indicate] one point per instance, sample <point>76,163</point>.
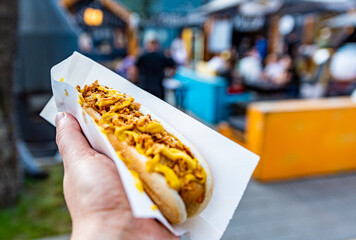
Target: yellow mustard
<point>115,108</point>
<point>105,90</point>
<point>120,132</point>
<point>106,117</point>
<point>175,154</point>
<point>171,178</point>
<point>97,97</point>
<point>81,99</point>
<point>137,180</point>
<point>133,134</point>
<point>155,163</point>
<point>152,127</point>
<point>108,101</point>
<point>190,177</point>
<point>127,161</point>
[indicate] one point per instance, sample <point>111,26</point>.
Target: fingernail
<point>59,116</point>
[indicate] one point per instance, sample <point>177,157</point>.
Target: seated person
<point>278,70</point>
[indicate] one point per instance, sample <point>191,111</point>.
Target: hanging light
<point>93,17</point>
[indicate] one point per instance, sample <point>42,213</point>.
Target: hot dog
<point>173,173</point>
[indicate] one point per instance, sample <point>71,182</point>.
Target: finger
<point>71,142</point>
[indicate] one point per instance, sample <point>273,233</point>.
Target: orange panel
<point>301,138</point>
<point>255,134</point>
<point>308,143</point>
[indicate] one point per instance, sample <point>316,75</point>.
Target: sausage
<point>193,193</point>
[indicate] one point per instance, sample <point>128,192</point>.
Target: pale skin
<point>94,193</point>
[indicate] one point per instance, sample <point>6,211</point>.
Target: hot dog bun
<point>173,173</point>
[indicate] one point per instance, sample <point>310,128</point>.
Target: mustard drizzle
<point>155,161</point>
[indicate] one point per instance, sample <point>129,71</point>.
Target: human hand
<point>94,193</point>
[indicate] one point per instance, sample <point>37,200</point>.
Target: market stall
<point>107,28</point>
<point>206,96</point>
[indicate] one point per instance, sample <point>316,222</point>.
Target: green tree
<point>9,166</point>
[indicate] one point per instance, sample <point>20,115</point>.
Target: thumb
<point>71,142</point>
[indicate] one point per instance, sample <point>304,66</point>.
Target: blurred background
<point>276,76</point>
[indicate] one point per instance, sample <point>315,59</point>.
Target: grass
<point>40,210</point>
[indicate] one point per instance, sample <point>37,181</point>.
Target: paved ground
<point>312,209</point>
<point>321,208</point>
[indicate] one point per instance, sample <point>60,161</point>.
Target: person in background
<point>178,51</point>
<point>151,66</point>
<point>85,43</point>
<point>104,48</point>
<point>222,65</point>
<point>278,71</point>
<point>291,45</point>
<point>218,62</point>
<point>274,70</point>
<point>244,46</point>
<point>250,67</point>
<point>261,46</point>
<point>126,68</point>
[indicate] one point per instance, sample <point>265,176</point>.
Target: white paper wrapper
<point>231,164</point>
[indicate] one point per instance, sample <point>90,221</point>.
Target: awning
<point>310,6</point>
<point>219,5</point>
<point>342,20</point>
<point>289,6</point>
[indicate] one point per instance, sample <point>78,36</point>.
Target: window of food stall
<point>106,31</point>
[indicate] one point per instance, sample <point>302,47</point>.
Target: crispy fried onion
<point>120,115</point>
